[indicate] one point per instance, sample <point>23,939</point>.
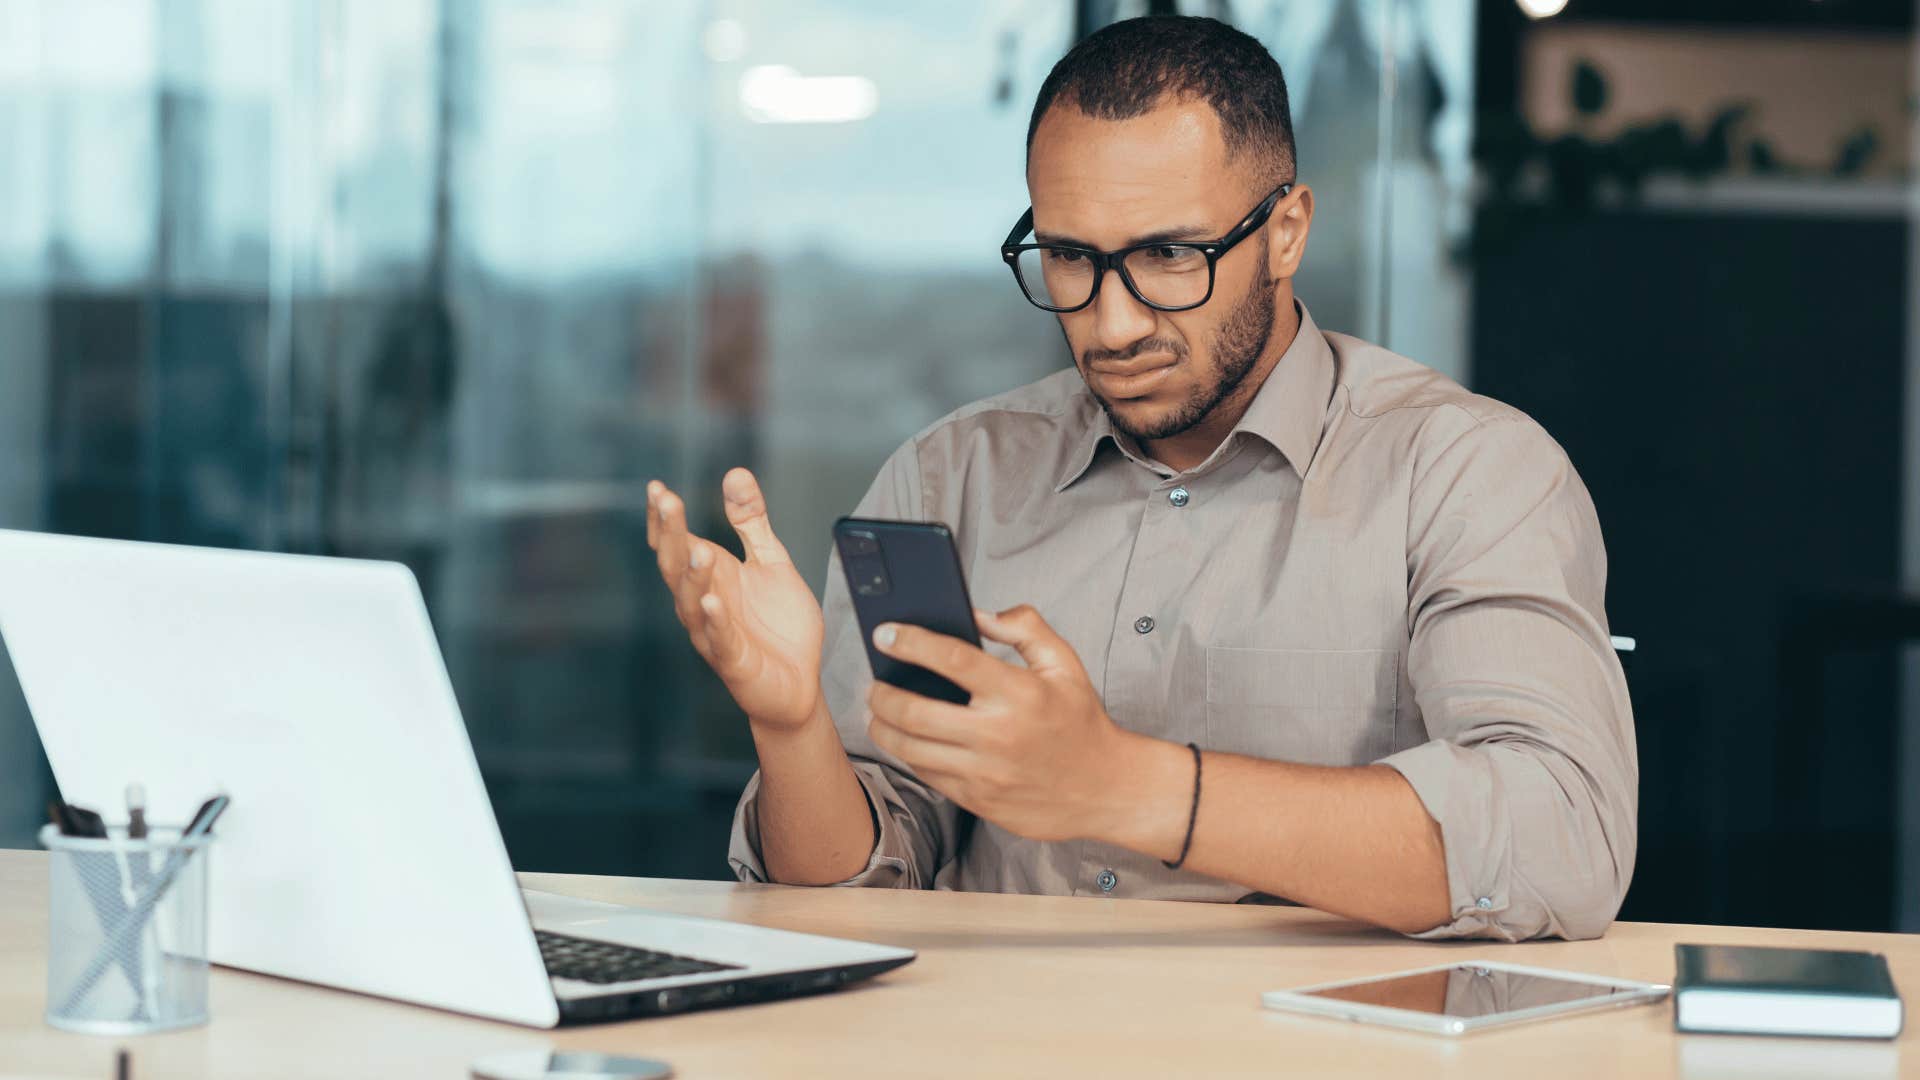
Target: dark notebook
<point>1758,991</point>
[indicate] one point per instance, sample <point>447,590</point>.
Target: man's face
<point>1108,184</point>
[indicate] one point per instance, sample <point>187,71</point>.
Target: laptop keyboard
<point>605,962</point>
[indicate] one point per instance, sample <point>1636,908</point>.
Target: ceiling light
<point>777,94</point>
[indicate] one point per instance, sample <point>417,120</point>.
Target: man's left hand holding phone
<point>1033,751</point>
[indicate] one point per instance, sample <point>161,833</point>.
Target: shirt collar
<point>1288,412</point>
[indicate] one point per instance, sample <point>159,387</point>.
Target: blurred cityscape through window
<point>447,281</point>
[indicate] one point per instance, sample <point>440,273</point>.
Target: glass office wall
<point>446,281</point>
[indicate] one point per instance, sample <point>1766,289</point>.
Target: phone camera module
<point>869,575</point>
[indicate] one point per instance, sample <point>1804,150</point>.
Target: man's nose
<point>1120,319</point>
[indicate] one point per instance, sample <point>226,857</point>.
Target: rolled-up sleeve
<point>916,828</point>
<point>1530,767</point>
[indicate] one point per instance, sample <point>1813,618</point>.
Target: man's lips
<point>1131,380</point>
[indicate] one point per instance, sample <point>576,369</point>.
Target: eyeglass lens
<point>1169,275</point>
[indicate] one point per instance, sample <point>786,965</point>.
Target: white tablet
<point>1453,999</point>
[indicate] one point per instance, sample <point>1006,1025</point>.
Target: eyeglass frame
<point>1115,260</point>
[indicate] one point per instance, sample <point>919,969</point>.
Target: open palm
<point>754,621</point>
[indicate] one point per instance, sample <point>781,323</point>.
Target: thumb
<point>1028,633</point>
<point>747,511</point>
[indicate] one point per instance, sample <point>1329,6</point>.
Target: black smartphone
<point>906,572</point>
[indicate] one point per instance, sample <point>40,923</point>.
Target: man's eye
<point>1172,258</point>
<point>1062,255</point>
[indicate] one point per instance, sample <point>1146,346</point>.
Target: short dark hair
<point>1131,66</point>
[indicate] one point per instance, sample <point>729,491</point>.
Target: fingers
<point>1024,629</point>
<point>695,584</point>
<point>688,564</point>
<point>701,557</point>
<point>959,661</point>
<point>726,642</point>
<point>686,561</point>
<point>747,511</point>
<point>939,763</point>
<point>922,717</point>
<point>670,538</point>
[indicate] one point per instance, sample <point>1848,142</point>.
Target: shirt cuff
<point>1461,792</point>
<point>886,868</point>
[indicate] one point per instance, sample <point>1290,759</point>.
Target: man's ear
<point>1289,225</point>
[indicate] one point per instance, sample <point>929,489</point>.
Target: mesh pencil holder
<point>126,932</point>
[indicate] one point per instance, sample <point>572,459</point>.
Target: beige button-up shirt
<point>1375,566</point>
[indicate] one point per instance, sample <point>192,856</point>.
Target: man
<point>1279,614</point>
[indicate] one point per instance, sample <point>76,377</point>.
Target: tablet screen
<point>1465,991</point>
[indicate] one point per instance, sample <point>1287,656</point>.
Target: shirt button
<point>1143,625</point>
<point>1107,880</point>
<point>1484,903</point>
<point>1178,497</point>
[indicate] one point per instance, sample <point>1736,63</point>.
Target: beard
<point>1237,347</point>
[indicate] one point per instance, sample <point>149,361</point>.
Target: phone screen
<point>1465,991</point>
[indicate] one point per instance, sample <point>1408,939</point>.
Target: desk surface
<point>1005,986</point>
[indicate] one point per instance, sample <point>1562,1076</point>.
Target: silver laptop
<point>360,850</point>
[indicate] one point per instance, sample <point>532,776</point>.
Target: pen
<point>136,812</point>
<point>139,869</point>
<point>142,910</point>
<point>108,907</point>
<point>84,822</point>
<point>137,830</point>
<point>204,817</point>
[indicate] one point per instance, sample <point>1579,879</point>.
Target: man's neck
<point>1192,446</point>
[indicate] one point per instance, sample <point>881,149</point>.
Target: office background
<point>446,281</point>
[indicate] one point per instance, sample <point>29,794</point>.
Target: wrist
<point>771,732</point>
<point>1148,789</point>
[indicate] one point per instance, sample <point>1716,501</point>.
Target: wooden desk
<point>1006,986</point>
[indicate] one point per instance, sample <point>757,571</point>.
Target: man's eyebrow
<point>1180,233</point>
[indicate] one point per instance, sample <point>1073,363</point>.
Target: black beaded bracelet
<point>1193,813</point>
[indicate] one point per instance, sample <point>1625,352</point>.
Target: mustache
<point>1147,345</point>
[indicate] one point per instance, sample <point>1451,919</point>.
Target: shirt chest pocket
<point>1306,706</point>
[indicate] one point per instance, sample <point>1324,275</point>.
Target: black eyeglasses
<point>1166,275</point>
